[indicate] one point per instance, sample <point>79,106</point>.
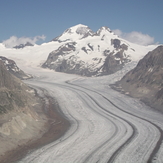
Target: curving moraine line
<point>110,116</point>
<point>113,157</point>
<point>134,129</point>
<point>105,114</point>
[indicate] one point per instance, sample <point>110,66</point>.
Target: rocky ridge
<point>14,93</point>
<point>14,69</point>
<point>145,81</point>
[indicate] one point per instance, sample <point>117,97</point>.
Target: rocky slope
<point>13,91</point>
<point>89,53</point>
<point>145,81</point>
<point>19,108</point>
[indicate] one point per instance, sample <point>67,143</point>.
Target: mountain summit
<point>103,30</point>
<point>73,33</point>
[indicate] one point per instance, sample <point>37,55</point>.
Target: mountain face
<point>146,80</point>
<point>13,68</point>
<point>13,94</point>
<point>5,77</point>
<point>89,53</point>
<point>12,91</point>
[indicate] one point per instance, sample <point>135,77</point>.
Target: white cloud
<point>117,32</point>
<point>14,41</point>
<point>135,37</point>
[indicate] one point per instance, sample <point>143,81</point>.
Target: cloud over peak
<point>135,37</point>
<point>14,41</point>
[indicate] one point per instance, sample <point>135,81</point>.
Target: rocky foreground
<point>26,120</point>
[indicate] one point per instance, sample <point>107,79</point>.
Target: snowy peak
<point>103,30</point>
<point>106,34</point>
<point>80,29</point>
<point>75,33</point>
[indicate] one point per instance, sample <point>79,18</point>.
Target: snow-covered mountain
<point>89,53</point>
<point>81,51</point>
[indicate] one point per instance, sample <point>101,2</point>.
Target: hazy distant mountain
<point>89,53</point>
<point>146,80</point>
<point>23,45</point>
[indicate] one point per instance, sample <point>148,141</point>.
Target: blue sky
<point>30,18</point>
